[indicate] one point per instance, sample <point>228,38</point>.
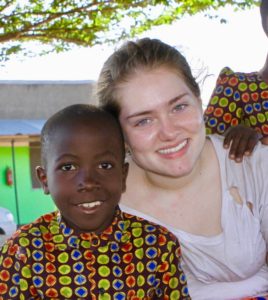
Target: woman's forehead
<point>158,80</point>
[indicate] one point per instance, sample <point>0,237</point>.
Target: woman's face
<point>162,122</point>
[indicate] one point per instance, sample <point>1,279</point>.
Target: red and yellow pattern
<point>132,259</point>
<point>238,98</point>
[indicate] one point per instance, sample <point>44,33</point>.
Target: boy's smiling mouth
<point>89,207</point>
<point>90,204</point>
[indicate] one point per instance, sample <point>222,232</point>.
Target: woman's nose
<point>167,129</point>
<point>88,180</point>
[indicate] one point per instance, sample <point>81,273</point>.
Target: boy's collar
<point>65,237</point>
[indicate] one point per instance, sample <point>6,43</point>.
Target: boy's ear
<point>42,177</point>
<point>124,179</point>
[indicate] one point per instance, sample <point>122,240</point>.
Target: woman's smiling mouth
<point>173,149</point>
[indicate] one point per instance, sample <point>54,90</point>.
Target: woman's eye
<point>105,166</point>
<point>143,122</point>
<point>68,167</point>
<point>179,107</point>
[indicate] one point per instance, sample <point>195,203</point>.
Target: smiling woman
<point>150,112</point>
<point>181,178</point>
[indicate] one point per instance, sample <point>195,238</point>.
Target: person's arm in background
<point>241,140</point>
<point>224,115</point>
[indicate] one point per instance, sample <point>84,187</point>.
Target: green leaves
<point>63,23</point>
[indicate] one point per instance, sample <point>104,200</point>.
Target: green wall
<point>31,202</point>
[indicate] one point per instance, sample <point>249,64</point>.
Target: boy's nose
<point>88,181</point>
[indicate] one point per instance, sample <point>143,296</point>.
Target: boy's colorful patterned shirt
<point>238,98</point>
<point>132,259</point>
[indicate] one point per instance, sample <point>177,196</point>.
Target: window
<point>35,160</point>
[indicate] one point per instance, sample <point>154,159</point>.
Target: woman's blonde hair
<point>145,53</point>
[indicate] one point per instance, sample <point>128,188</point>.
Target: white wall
<point>40,99</point>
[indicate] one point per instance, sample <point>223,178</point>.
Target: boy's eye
<point>105,166</point>
<point>68,167</point>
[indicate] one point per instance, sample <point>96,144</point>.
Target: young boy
<point>88,249</point>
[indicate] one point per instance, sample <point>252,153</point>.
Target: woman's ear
<point>42,177</point>
<point>127,149</point>
<point>125,173</point>
<point>128,152</point>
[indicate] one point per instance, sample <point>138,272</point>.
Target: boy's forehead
<point>72,131</point>
<point>97,121</point>
<point>99,128</point>
<point>78,139</point>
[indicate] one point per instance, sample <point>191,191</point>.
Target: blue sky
<point>240,44</point>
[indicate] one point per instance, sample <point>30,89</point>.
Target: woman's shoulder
<point>260,151</point>
<point>217,142</point>
<point>251,166</point>
<point>249,175</point>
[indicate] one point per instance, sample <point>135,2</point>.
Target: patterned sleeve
<point>223,110</point>
<point>238,98</point>
<point>15,273</point>
<point>172,280</point>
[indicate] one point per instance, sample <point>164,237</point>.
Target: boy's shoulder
<point>35,228</point>
<point>29,237</point>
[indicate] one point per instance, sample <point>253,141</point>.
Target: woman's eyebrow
<point>146,112</point>
<point>138,114</point>
<point>173,100</point>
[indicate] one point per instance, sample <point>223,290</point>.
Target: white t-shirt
<point>232,264</point>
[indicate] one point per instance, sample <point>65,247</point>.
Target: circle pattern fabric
<point>132,259</point>
<point>238,98</point>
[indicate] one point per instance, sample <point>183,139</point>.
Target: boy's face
<point>85,174</point>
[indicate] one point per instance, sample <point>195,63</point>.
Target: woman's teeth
<point>174,149</point>
<point>90,204</point>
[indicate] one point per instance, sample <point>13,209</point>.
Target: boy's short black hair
<point>76,113</point>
